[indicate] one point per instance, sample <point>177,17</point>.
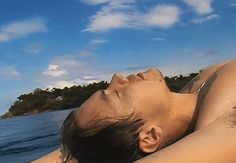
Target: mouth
<point>140,75</point>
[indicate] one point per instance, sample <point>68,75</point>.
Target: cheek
<point>125,110</point>
<point>154,101</point>
<point>140,93</point>
<point>146,95</point>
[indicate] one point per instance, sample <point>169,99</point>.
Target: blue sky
<point>55,43</point>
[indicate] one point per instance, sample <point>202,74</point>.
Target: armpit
<point>231,118</point>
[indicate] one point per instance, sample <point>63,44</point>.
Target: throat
<point>184,113</point>
<point>183,106</point>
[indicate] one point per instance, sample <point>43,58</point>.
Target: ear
<point>150,138</point>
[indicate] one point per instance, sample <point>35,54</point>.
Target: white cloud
<point>162,16</point>
<point>84,80</point>
<point>233,4</point>
<point>205,19</point>
<point>89,77</point>
<point>103,22</point>
<point>201,6</point>
<point>61,84</point>
<point>112,2</point>
<point>20,29</point>
<point>67,83</point>
<point>54,70</point>
<point>158,39</point>
<point>95,2</point>
<point>34,48</point>
<point>9,72</point>
<point>82,73</point>
<point>70,70</point>
<point>97,42</point>
<point>91,46</point>
<point>123,14</point>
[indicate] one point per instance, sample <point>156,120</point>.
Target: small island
<point>40,100</point>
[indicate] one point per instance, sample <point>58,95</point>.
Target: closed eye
<point>117,93</point>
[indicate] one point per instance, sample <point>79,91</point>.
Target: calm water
<point>23,139</point>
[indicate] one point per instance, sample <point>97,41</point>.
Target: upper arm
<point>53,157</point>
<point>214,143</point>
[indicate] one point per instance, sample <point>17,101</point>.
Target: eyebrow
<point>104,95</point>
<point>106,98</point>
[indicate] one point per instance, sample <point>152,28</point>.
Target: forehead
<point>94,107</point>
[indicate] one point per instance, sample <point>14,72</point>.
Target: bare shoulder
<point>231,63</point>
<point>218,94</point>
<point>53,157</point>
<point>196,82</point>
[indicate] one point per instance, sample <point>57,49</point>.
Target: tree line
<point>40,100</point>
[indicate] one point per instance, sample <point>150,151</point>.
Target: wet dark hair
<point>115,141</point>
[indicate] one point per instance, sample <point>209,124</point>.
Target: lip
<point>140,75</point>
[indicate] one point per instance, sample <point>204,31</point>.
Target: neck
<point>182,115</point>
<point>182,106</point>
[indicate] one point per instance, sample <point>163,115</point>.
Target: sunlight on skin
<point>207,115</point>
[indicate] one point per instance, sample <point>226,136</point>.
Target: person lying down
<point>138,118</point>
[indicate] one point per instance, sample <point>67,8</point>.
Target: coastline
<point>40,101</point>
<point>8,115</point>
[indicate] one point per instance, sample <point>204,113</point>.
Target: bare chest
<point>217,96</point>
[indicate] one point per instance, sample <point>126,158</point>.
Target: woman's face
<point>145,94</point>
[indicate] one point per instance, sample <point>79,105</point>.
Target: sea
<point>23,139</point>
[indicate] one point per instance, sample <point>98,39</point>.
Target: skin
<point>147,95</point>
<point>125,95</point>
<point>213,143</point>
<point>215,132</point>
<point>135,94</point>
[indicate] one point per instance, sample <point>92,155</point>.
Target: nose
<point>117,81</point>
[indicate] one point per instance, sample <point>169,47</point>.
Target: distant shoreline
<point>40,101</point>
<point>28,114</point>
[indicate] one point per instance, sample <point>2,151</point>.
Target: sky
<point>51,43</point>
